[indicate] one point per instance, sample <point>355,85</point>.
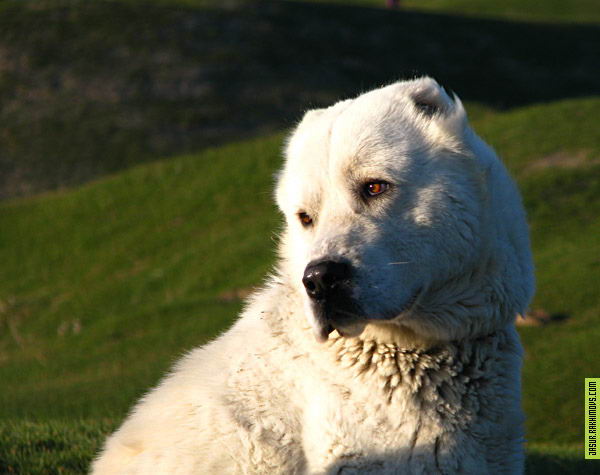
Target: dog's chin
<point>350,322</point>
<point>322,330</point>
<point>324,321</point>
<point>351,330</point>
<point>323,325</point>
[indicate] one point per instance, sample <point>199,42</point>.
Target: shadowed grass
<point>559,459</point>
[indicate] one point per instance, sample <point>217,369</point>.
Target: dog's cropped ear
<point>445,116</point>
<point>429,98</point>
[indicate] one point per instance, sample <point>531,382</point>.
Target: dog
<point>384,341</point>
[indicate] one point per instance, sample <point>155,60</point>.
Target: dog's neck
<point>413,368</point>
<point>394,335</point>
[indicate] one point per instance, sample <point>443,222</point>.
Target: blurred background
<point>138,142</point>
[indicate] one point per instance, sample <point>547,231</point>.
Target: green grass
<point>556,163</point>
<point>94,276</point>
<point>530,137</point>
<point>59,446</point>
<point>106,285</point>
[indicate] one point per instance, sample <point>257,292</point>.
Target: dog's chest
<point>344,426</point>
<point>368,408</point>
<point>387,408</point>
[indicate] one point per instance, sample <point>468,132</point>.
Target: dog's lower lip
<point>330,319</point>
<point>322,334</point>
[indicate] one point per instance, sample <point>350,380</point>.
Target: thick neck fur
<point>425,370</point>
<point>399,363</point>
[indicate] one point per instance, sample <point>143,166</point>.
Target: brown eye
<point>305,219</point>
<point>374,188</point>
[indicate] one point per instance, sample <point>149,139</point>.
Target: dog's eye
<point>374,188</point>
<point>305,219</point>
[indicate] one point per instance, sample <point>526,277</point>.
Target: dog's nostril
<point>309,284</point>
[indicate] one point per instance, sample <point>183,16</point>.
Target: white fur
<point>429,388</point>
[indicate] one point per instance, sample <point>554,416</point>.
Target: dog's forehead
<point>306,159</point>
<point>374,132</point>
<point>355,132</point>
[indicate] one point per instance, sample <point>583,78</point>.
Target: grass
<point>97,273</point>
<point>59,447</point>
<point>561,196</point>
<point>559,459</point>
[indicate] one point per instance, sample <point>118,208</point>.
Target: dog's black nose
<point>322,277</point>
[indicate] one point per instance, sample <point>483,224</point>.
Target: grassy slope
<point>96,277</point>
<point>563,206</point>
<point>133,262</point>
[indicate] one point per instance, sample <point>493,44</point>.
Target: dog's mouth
<point>348,318</point>
<point>335,313</point>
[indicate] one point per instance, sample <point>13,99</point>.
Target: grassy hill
<point>105,285</point>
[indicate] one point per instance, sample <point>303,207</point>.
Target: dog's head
<point>399,215</point>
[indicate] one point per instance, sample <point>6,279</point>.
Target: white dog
<point>385,341</point>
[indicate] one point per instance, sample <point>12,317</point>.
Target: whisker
<point>398,263</point>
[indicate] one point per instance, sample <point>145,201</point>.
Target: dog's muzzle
<point>328,285</point>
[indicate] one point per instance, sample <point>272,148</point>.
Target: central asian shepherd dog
<point>384,340</point>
